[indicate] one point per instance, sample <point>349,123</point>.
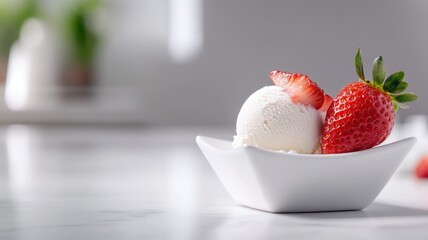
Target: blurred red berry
<point>421,169</point>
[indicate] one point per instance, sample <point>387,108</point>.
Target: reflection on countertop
<point>113,182</point>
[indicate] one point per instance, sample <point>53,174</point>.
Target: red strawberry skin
<point>359,118</point>
<point>299,87</point>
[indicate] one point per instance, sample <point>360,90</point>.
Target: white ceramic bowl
<point>284,182</point>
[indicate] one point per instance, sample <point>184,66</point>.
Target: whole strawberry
<point>363,113</point>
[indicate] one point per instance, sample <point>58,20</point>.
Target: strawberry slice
<point>421,170</point>
<point>327,102</point>
<point>300,88</point>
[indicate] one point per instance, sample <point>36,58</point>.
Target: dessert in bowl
<point>299,150</point>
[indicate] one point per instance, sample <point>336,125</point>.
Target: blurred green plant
<point>80,31</point>
<point>13,14</point>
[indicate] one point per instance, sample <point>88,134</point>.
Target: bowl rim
<point>410,140</point>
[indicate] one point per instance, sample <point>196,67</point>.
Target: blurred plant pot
<point>78,76</point>
<point>3,71</point>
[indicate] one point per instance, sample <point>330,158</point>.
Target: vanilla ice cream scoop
<point>269,119</point>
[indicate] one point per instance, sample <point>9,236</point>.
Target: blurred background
<point>191,62</point>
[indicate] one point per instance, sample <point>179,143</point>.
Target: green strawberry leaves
<point>378,71</point>
<point>399,100</point>
<point>394,85</point>
<point>406,97</point>
<point>395,106</point>
<point>359,65</point>
<point>401,87</point>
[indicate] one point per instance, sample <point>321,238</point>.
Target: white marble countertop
<point>137,183</point>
